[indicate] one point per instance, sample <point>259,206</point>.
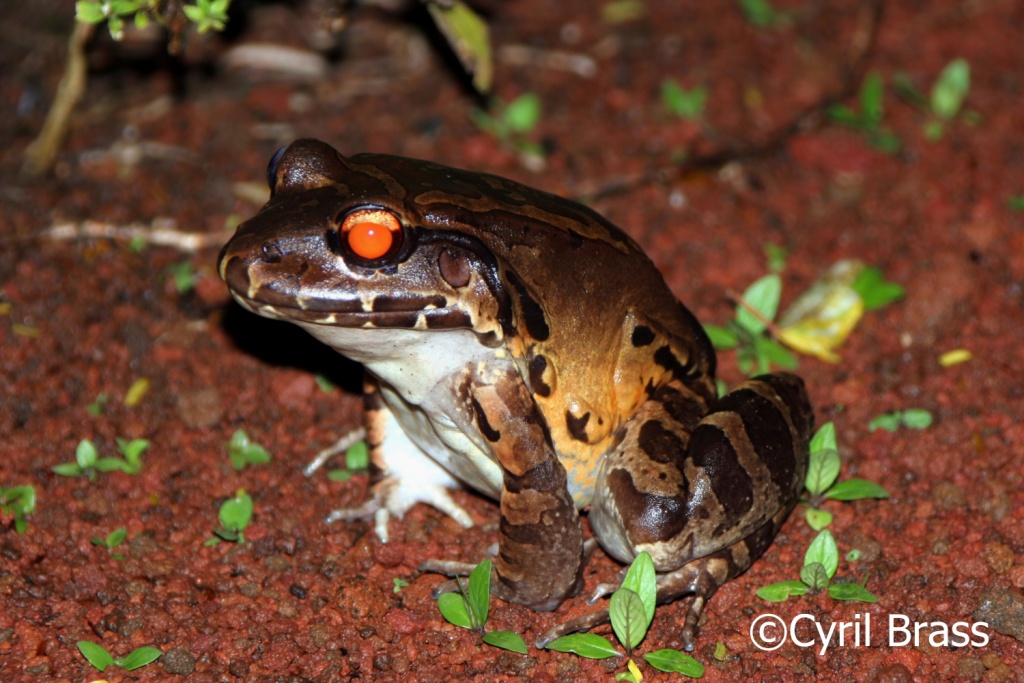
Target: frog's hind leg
<point>704,489</point>
<point>701,577</point>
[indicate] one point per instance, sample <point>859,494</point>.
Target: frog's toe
<point>577,625</point>
<point>394,497</point>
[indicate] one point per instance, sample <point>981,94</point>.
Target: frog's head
<point>344,243</point>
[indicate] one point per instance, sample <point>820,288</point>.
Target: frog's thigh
<point>407,475</point>
<point>681,487</point>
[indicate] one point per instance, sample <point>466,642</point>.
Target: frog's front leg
<point>540,543</point>
<point>704,496</point>
<point>404,475</point>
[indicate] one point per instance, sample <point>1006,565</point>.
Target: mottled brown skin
<point>567,374</point>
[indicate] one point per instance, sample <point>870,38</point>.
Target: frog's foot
<point>347,440</point>
<point>393,496</point>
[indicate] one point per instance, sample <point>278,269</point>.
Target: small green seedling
<point>18,502</point>
<point>869,119</point>
<point>820,564</point>
<point>911,418</point>
<point>244,452</point>
<point>512,123</point>
<point>98,656</point>
<point>469,608</point>
<point>208,15</point>
<point>96,407</point>
<point>234,516</point>
<point>631,611</point>
<point>357,460</point>
<point>1015,203</point>
<point>111,541</point>
<point>874,290</point>
<point>945,101</point>
<point>747,332</point>
<point>760,13</point>
<point>822,472</point>
<point>88,463</point>
<point>399,584</point>
<point>686,104</point>
<point>325,385</point>
<point>183,275</point>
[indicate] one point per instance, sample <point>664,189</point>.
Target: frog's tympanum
<point>522,345</point>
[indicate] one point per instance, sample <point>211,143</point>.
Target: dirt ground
<point>184,143</point>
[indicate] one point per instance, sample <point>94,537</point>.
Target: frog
<point>520,344</point>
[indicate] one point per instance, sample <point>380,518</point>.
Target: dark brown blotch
<point>532,312</point>
<point>642,336</point>
<point>713,451</point>
<point>660,444</point>
<point>577,426</point>
<point>489,432</point>
<point>769,433</point>
<point>538,364</point>
<point>650,518</point>
<point>666,359</point>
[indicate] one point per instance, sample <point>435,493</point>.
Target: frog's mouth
<point>414,313</point>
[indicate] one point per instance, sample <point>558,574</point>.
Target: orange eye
<point>371,233</point>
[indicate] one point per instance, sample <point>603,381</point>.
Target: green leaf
<point>872,92</point>
<point>19,498</point>
<point>674,661</point>
<point>116,537</point>
<point>628,617</point>
<point>67,469</point>
<point>773,352</point>
<point>776,256</point>
<point>759,12</point>
<point>814,575</point>
<point>686,104</point>
<point>818,519</point>
<point>721,338</point>
<point>357,457</point>
<point>339,475</point>
<point>95,654</point>
<point>917,418</point>
<point>763,296</point>
<point>89,12</point>
<point>399,584</point>
<point>506,640</point>
<point>874,290</point>
<point>642,579</point>
<point>138,658</point>
<point>951,89</point>
<point>132,450</point>
<point>890,422</point>
<point>780,592</point>
<point>242,451</point>
<point>1015,202</point>
<point>822,470</point>
<point>478,593</point>
<point>851,591</point>
<point>522,114</point>
<point>842,114</point>
<point>469,38</point>
<point>453,609</point>
<point>721,651</point>
<point>856,489</point>
<point>823,549</point>
<point>85,454</point>
<point>824,438</point>
<point>589,645</point>
<point>236,512</point>
<point>111,465</point>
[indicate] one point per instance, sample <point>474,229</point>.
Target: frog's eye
<point>272,168</point>
<point>371,233</point>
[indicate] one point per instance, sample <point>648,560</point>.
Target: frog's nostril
<point>272,252</point>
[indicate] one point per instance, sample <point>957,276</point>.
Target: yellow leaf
<point>136,391</point>
<point>635,670</point>
<point>955,357</point>
<point>469,38</point>
<point>822,318</point>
